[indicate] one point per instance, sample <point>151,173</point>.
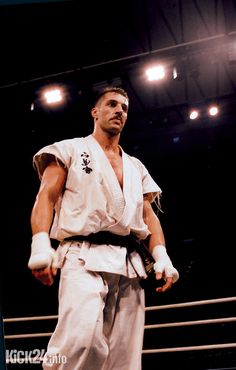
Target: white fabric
<point>107,258</point>
<point>42,254</point>
<point>163,263</point>
<point>101,303</point>
<point>101,320</point>
<point>94,201</point>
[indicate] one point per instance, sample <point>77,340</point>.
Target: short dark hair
<point>108,89</point>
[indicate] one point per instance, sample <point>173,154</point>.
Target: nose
<point>119,110</point>
<point>119,114</point>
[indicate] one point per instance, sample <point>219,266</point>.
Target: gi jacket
<point>94,201</point>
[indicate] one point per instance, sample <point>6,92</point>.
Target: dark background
<point>84,46</point>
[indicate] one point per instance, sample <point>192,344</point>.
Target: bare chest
<point>117,165</point>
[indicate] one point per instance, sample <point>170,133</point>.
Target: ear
<point>94,112</point>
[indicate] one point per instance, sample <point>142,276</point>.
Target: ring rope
<point>150,308</point>
<point>194,303</point>
<point>30,318</point>
<point>155,326</point>
<point>188,323</point>
<point>189,348</point>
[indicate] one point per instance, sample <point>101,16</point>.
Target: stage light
<point>178,72</point>
<point>175,73</point>
<point>213,110</point>
<point>53,96</point>
<point>155,73</point>
<point>193,114</point>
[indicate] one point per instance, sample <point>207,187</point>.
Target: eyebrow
<point>116,101</point>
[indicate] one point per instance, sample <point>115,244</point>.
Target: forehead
<point>117,97</point>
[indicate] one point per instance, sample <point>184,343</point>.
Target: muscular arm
<point>156,239</point>
<point>52,185</point>
<point>153,224</point>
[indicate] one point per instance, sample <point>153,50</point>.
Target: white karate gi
<point>101,304</point>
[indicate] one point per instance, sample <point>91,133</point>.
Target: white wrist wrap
<point>42,254</point>
<point>163,263</point>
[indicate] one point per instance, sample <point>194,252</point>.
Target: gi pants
<point>100,320</point>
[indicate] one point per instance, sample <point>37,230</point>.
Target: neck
<point>107,142</point>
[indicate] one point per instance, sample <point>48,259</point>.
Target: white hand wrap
<point>42,254</point>
<point>163,263</point>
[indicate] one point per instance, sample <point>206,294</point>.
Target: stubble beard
<point>113,131</point>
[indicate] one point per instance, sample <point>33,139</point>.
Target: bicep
<point>53,181</point>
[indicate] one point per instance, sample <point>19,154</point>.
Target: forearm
<point>157,235</point>
<point>42,214</point>
<point>163,265</point>
<point>43,259</point>
<point>43,256</point>
<point>154,226</point>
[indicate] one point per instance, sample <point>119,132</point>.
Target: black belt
<point>104,237</point>
<point>130,242</point>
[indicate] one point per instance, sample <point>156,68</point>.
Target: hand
<point>43,259</point>
<point>46,275</point>
<point>163,268</point>
<point>163,284</point>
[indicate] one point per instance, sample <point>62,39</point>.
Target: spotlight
<point>193,114</point>
<point>178,72</point>
<point>213,110</point>
<point>155,73</point>
<point>53,96</point>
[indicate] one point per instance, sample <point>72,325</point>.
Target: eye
<point>113,103</point>
<point>125,108</point>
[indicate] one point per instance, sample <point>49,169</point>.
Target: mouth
<point>117,120</point>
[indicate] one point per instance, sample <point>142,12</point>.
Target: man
<point>92,197</point>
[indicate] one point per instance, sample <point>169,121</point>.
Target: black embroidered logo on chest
<point>85,162</point>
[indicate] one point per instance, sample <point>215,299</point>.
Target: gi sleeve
<point>58,152</point>
<point>150,188</point>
